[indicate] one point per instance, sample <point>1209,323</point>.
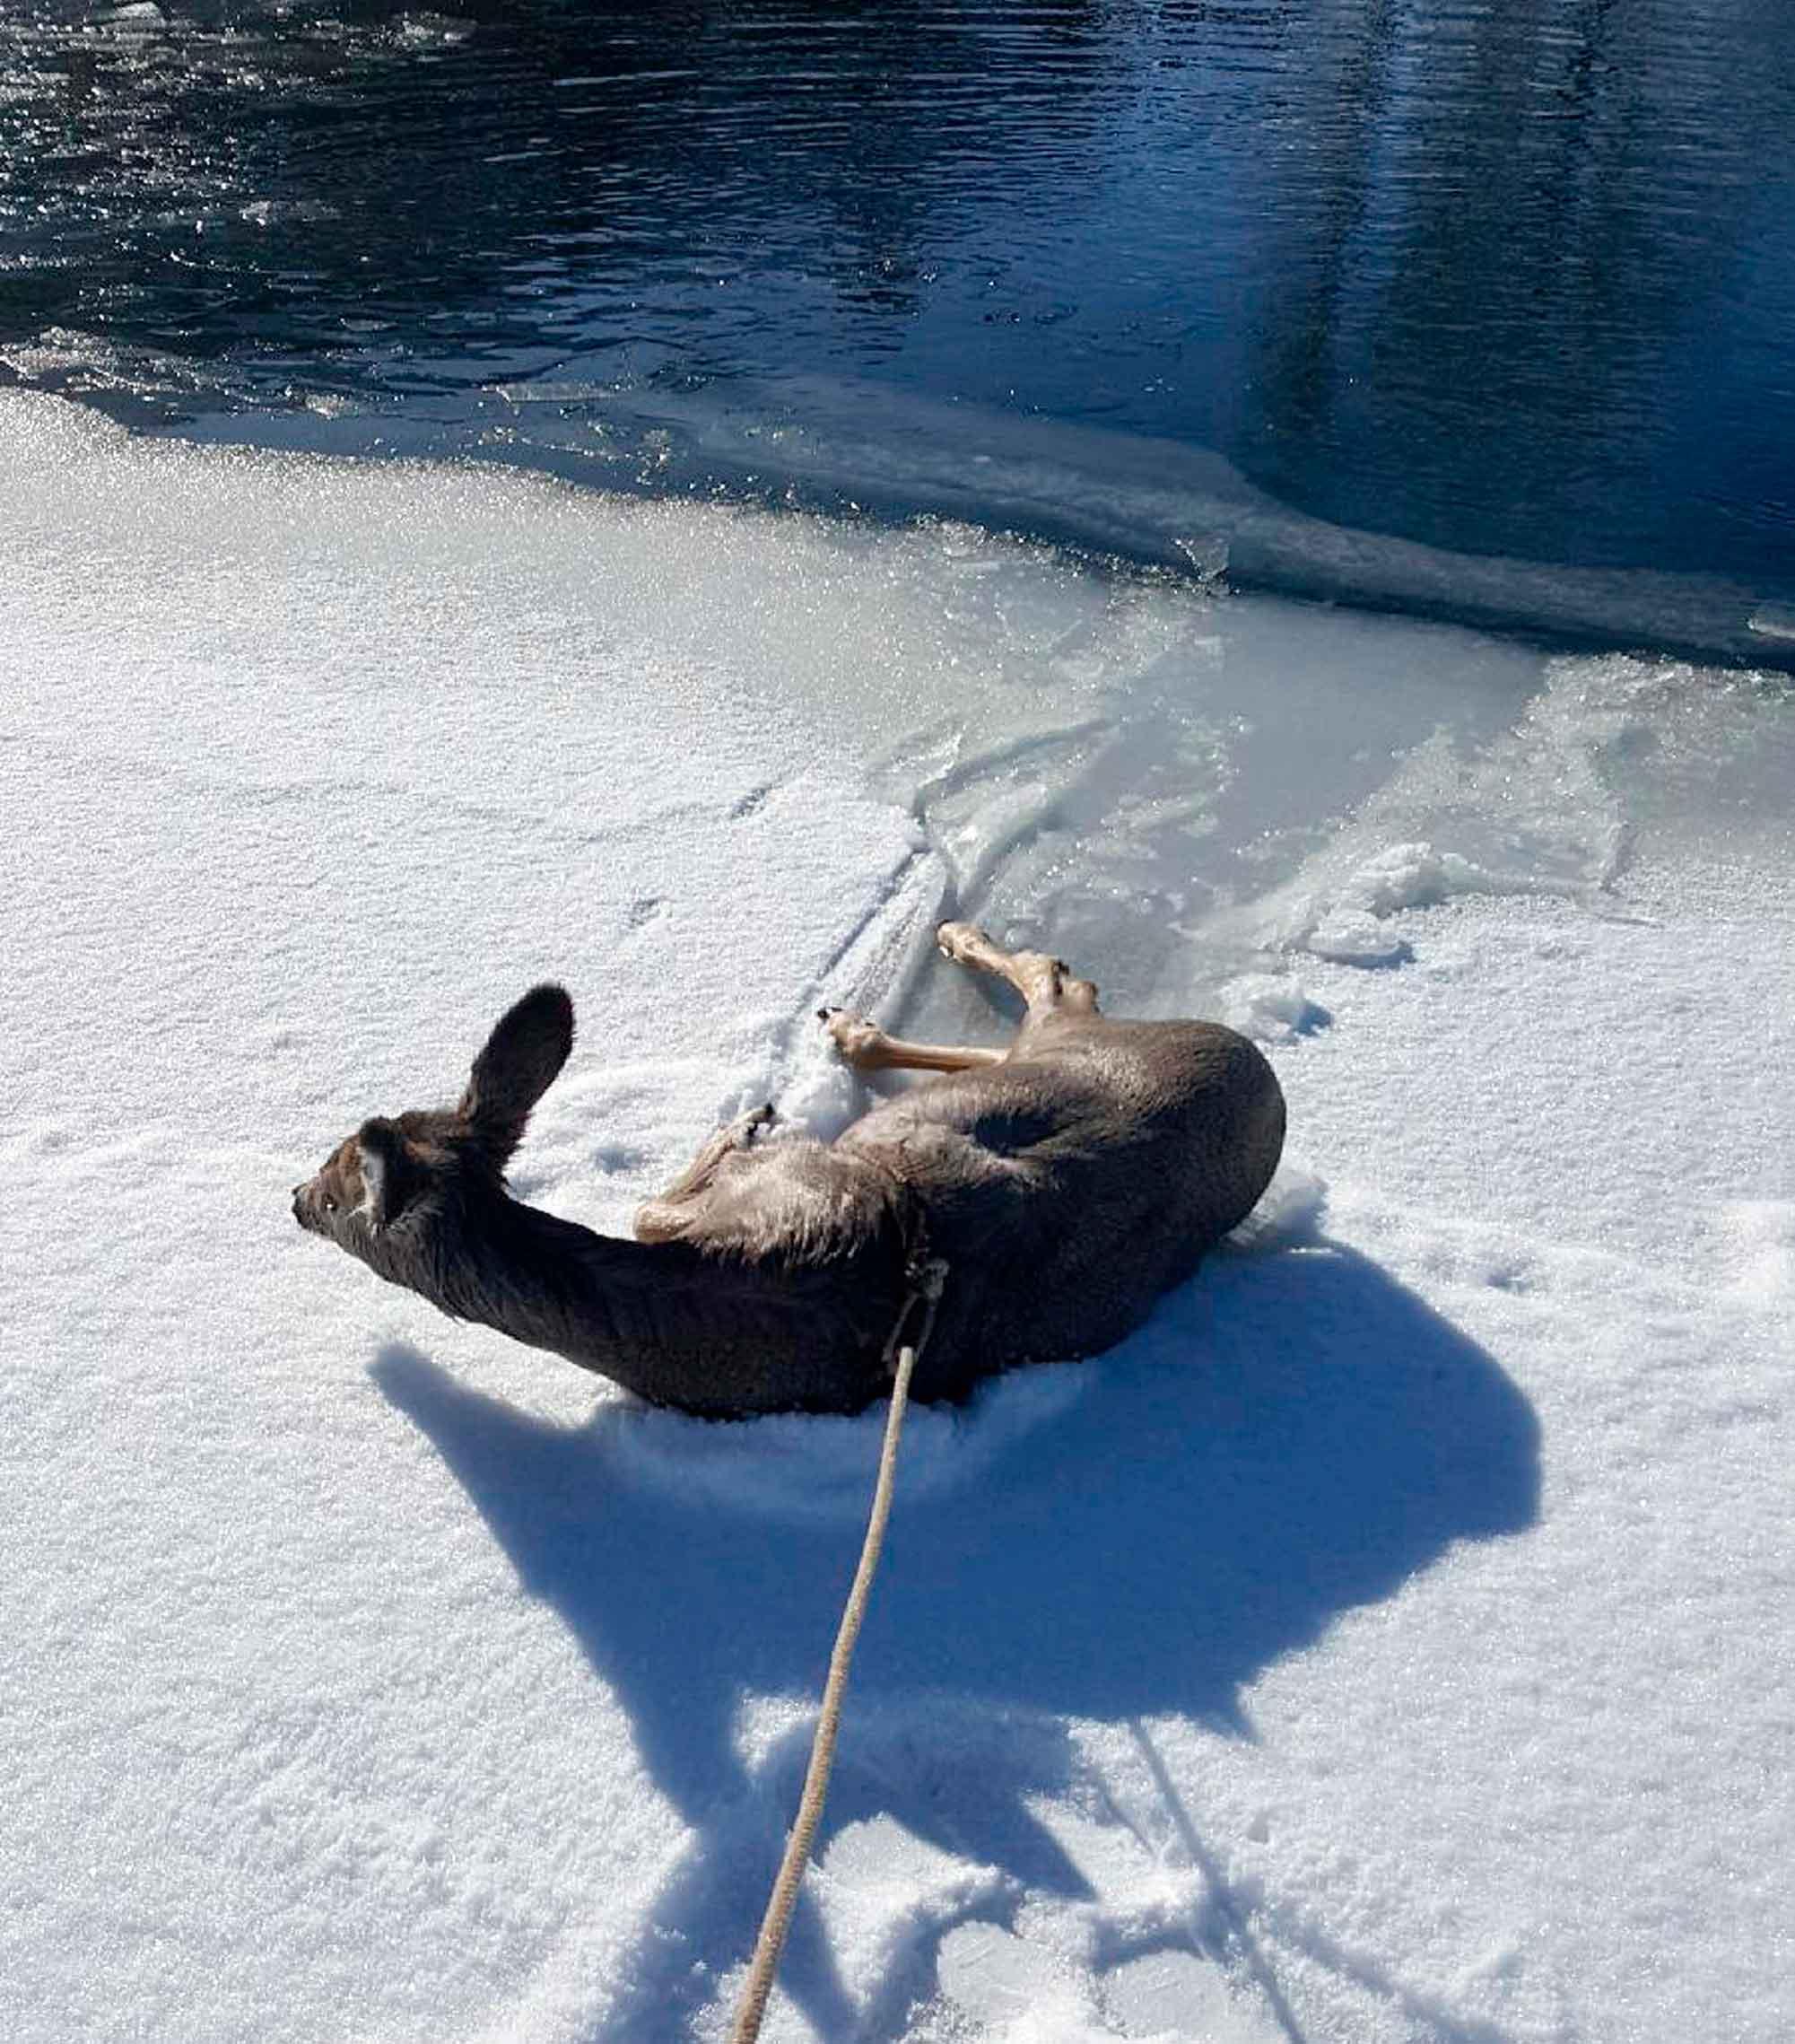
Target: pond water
<point>1479,310</point>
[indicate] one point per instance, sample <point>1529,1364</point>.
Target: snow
<point>1392,1642</point>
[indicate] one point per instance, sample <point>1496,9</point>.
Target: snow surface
<point>1392,1642</point>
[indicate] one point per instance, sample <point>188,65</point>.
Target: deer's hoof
<point>852,1035</point>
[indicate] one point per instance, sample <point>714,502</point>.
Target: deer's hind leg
<point>867,1047</point>
<point>1043,983</point>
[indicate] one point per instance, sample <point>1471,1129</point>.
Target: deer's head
<point>393,1176</point>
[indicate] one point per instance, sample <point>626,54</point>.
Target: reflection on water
<point>1506,276</point>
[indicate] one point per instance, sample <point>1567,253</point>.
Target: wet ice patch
<point>1606,748</point>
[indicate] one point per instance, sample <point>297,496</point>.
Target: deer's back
<point>1070,1186</point>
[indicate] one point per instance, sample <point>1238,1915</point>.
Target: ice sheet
<point>1390,1643</point>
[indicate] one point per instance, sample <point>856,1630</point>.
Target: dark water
<point>1332,294</point>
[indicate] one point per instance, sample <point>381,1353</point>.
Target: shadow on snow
<point>1291,1434</point>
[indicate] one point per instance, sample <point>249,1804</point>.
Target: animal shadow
<point>1291,1436</point>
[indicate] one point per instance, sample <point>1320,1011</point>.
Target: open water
<point>1480,308</point>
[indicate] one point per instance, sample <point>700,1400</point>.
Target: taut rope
<point>926,1281</point>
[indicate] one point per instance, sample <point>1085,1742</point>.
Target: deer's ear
<point>390,1173</point>
<point>521,1058</point>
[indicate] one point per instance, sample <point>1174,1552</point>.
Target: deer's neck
<point>543,1281</point>
<point>664,1320</point>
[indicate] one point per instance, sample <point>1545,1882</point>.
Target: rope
<point>924,1285</point>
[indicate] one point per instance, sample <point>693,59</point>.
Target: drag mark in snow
<point>869,973</point>
<point>887,931</point>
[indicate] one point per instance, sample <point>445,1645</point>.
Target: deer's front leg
<point>867,1047</point>
<point>733,1135</point>
<point>660,1218</point>
<point>1043,983</point>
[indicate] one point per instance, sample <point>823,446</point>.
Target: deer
<point>1064,1183</point>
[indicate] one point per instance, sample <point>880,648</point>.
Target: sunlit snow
<point>1392,1642</point>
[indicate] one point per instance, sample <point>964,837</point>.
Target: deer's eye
<point>329,1204</point>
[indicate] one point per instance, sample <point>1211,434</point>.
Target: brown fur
<point>1066,1181</point>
